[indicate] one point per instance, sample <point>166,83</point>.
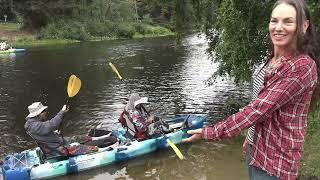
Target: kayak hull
<point>12,51</point>
<point>25,165</point>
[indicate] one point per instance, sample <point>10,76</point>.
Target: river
<point>172,75</point>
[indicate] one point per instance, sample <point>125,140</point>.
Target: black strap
<point>130,119</point>
<point>142,107</point>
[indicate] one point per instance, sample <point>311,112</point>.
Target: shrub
<point>125,30</point>
<point>65,30</point>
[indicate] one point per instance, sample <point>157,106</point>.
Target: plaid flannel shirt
<point>279,113</point>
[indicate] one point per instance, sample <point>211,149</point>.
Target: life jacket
<point>127,122</point>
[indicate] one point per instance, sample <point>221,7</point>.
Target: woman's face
<point>283,26</point>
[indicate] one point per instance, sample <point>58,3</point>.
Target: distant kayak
<point>13,50</point>
<point>27,165</point>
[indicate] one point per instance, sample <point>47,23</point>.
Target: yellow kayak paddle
<point>115,70</point>
<point>74,85</point>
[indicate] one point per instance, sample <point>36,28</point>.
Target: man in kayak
<point>4,46</point>
<point>139,122</point>
<point>45,133</point>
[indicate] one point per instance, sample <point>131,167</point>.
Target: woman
<point>279,112</point>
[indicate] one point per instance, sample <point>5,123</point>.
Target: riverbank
<point>12,33</point>
<point>310,168</point>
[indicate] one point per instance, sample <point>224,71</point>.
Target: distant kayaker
<point>44,132</point>
<point>4,46</point>
<point>138,120</point>
<point>277,114</point>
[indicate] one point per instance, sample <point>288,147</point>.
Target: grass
<point>31,42</point>
<point>10,26</point>
<point>311,158</point>
<point>138,35</point>
<point>12,33</point>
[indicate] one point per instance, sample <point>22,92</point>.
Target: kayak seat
<point>43,157</point>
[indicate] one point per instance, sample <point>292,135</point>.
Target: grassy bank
<point>310,168</point>
<point>70,32</point>
<point>18,38</point>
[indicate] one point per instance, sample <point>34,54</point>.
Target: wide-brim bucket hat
<point>35,109</point>
<point>142,100</point>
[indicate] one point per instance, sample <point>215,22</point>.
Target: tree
<point>237,31</point>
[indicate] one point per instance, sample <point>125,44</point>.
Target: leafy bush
<point>140,28</point>
<point>100,29</point>
<point>156,30</point>
<point>75,30</point>
<point>65,30</point>
<point>96,28</point>
<point>125,31</point>
<point>147,19</point>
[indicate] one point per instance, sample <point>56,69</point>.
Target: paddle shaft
<point>171,144</point>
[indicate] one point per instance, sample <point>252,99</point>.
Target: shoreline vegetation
<point>64,33</point>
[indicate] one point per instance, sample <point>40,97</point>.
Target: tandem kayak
<point>26,164</point>
<point>13,50</point>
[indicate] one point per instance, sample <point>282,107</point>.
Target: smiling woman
<point>282,27</point>
<point>277,115</point>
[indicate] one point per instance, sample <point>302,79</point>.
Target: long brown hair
<point>307,43</point>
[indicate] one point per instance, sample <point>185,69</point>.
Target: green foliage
<point>184,16</point>
<point>65,30</point>
<point>37,14</point>
<point>6,9</point>
<point>85,19</point>
<point>159,12</point>
<point>237,32</point>
<point>101,29</point>
<point>239,41</point>
<point>10,26</point>
<point>125,31</point>
<point>146,19</point>
<point>233,104</point>
<point>313,120</point>
<point>156,30</point>
<point>31,42</point>
<point>311,158</point>
<point>314,6</point>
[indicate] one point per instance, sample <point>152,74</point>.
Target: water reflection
<point>172,76</point>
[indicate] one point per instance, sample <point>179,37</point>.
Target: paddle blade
<point>74,85</point>
<point>115,70</point>
<point>175,149</point>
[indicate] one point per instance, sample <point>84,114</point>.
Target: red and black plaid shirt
<point>279,114</point>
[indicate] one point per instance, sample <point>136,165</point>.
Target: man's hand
<point>65,108</point>
<point>196,135</point>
